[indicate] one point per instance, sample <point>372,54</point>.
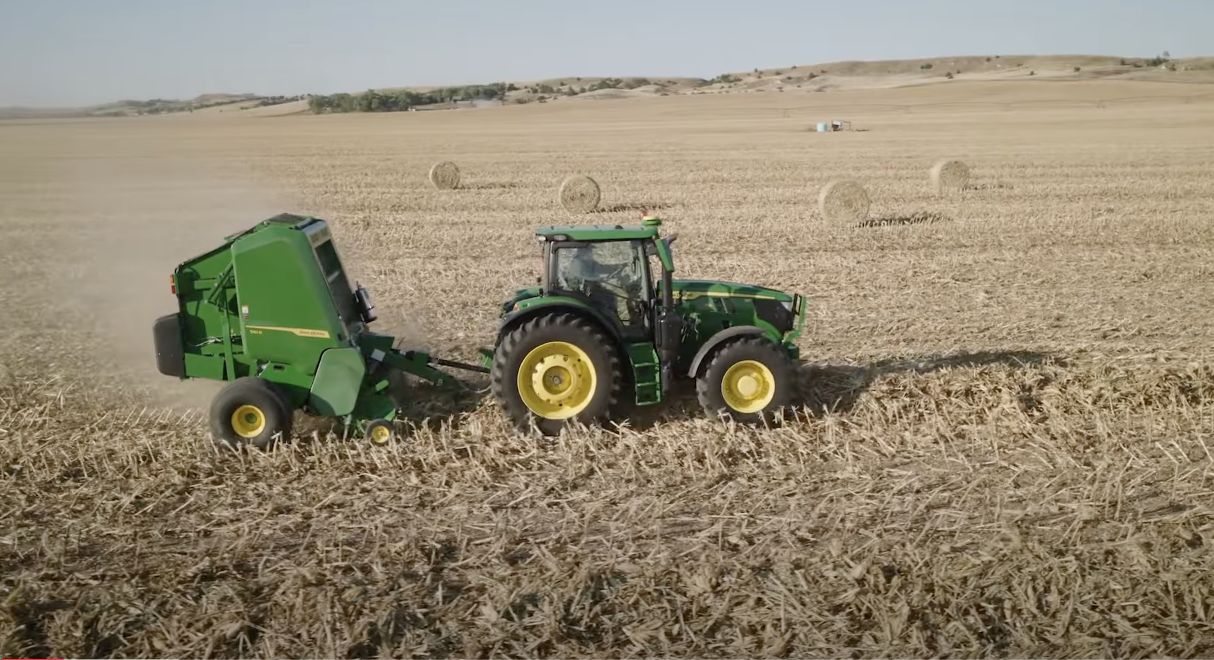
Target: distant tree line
<point>264,101</point>
<point>402,100</point>
<point>375,101</point>
<point>171,106</point>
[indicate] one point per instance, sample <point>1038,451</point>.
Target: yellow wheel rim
<point>248,421</point>
<point>380,434</point>
<point>748,386</point>
<point>557,380</point>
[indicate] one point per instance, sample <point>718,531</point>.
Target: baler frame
<point>312,351</point>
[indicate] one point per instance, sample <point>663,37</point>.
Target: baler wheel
<point>379,432</point>
<point>250,411</point>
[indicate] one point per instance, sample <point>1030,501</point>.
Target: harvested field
<point>1004,448</point>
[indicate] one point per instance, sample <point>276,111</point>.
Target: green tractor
<point>608,320</point>
<point>272,314</point>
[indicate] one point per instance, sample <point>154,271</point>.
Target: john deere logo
<point>298,332</point>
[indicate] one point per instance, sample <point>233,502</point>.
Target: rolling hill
<point>821,77</point>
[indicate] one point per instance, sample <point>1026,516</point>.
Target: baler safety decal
<point>299,332</point>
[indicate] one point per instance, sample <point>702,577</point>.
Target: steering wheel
<point>611,286</point>
<point>616,271</point>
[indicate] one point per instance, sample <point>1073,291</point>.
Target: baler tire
<point>756,358</point>
<point>566,328</point>
<point>266,403</point>
<point>379,432</point>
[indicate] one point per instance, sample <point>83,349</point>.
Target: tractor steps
<point>646,373</point>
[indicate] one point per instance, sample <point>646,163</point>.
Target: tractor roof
<point>647,229</point>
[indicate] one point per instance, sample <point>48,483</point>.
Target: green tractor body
<point>608,316</point>
<point>271,312</point>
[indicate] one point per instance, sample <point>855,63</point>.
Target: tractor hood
<point>689,289</point>
<point>518,296</point>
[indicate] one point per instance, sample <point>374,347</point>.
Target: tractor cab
<point>618,270</point>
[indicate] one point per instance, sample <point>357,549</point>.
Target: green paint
<point>544,301</point>
<point>663,250</point>
<point>709,307</point>
<point>296,384</point>
<point>338,381</point>
<point>691,288</point>
<point>646,373</point>
<point>207,367</point>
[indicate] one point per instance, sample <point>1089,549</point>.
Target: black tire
<point>709,386</point>
<point>268,410</point>
<point>513,352</point>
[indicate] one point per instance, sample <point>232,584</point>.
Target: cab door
<point>612,276</point>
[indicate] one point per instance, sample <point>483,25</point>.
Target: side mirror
<point>366,309</point>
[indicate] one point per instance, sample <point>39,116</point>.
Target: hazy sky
<point>67,52</point>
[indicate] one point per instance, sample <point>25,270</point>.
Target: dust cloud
<point>138,213</point>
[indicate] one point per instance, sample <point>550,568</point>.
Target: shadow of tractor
<point>827,389</point>
<point>821,389</point>
<point>836,389</point>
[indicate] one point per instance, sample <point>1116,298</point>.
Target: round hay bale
<point>580,194</point>
<point>950,175</point>
<point>843,201</point>
<point>444,175</point>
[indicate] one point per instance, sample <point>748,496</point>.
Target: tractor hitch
<point>459,365</point>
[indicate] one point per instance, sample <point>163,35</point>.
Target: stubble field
<point>1003,449</point>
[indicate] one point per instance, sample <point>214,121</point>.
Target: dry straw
<point>950,175</point>
<point>579,194</point>
<point>444,175</point>
<point>843,202</point>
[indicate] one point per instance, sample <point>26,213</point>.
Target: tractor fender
<point>511,321</point>
<point>716,340</point>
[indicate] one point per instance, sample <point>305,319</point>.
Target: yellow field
<point>1004,449</point>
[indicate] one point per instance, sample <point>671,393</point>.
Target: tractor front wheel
<point>250,411</point>
<point>748,380</point>
<point>555,369</point>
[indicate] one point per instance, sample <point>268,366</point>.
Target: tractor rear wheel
<point>250,411</point>
<point>748,380</point>
<point>556,369</point>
